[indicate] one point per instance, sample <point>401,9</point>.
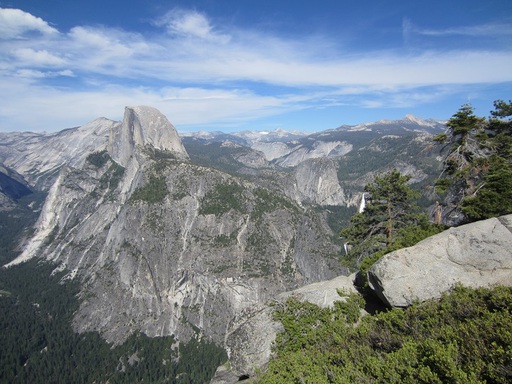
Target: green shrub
<point>465,337</point>
<point>153,192</point>
<point>98,159</point>
<point>222,199</point>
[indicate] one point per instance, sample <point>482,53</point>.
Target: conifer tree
<point>477,173</point>
<point>390,220</point>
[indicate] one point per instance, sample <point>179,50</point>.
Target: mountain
<point>185,236</point>
<point>328,168</point>
<point>188,247</point>
<point>288,149</point>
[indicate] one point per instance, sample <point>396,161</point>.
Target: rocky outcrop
<point>38,157</point>
<point>144,126</point>
<point>476,255</point>
<point>251,334</point>
<point>318,149</point>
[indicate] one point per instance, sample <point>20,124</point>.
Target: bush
<point>98,159</point>
<point>153,192</point>
<point>465,337</point>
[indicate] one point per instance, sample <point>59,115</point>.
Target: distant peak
<point>414,119</point>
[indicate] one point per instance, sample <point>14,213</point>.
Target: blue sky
<point>234,65</point>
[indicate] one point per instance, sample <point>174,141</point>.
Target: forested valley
<point>38,344</point>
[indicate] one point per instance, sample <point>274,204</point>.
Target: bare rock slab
<point>476,255</point>
<point>251,336</point>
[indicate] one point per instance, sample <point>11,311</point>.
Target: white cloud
<point>35,74</point>
<point>31,57</point>
<point>187,23</point>
<point>480,30</point>
<point>199,74</point>
<point>14,23</point>
<point>183,106</point>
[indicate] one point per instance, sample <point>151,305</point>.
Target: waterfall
<point>362,204</point>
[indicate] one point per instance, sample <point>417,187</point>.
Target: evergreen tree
<point>390,220</point>
<point>477,173</point>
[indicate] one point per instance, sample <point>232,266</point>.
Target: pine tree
<point>477,174</point>
<point>388,220</point>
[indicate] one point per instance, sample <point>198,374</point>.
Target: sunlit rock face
<point>38,157</point>
<point>144,126</point>
<point>476,255</point>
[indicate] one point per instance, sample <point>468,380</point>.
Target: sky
<point>214,65</point>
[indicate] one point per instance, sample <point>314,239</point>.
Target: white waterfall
<point>362,204</point>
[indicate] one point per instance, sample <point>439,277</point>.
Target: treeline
<point>17,221</point>
<point>38,344</point>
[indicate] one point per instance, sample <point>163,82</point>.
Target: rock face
<point>144,126</point>
<point>39,157</point>
<point>251,334</point>
<point>316,181</point>
<point>167,247</point>
<point>477,255</point>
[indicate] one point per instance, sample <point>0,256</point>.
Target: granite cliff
<point>168,247</point>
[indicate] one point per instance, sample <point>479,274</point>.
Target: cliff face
<point>144,126</point>
<point>165,246</point>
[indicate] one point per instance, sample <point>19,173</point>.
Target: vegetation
<point>110,179</point>
<point>153,192</point>
<point>390,220</point>
<point>16,222</point>
<point>112,176</point>
<point>269,201</point>
<point>465,337</point>
<point>98,159</point>
<point>222,199</point>
<point>477,174</point>
<point>39,345</point>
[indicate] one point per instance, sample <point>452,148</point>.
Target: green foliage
<point>39,345</point>
<point>477,171</point>
<point>464,122</point>
<point>442,185</point>
<point>153,192</point>
<point>389,221</point>
<point>465,337</point>
<point>159,154</point>
<point>440,138</point>
<point>98,159</point>
<point>268,201</point>
<point>110,179</point>
<point>494,198</point>
<point>502,109</point>
<point>222,199</point>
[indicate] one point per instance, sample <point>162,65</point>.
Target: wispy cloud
<point>37,58</point>
<point>481,30</point>
<point>199,73</point>
<point>186,23</point>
